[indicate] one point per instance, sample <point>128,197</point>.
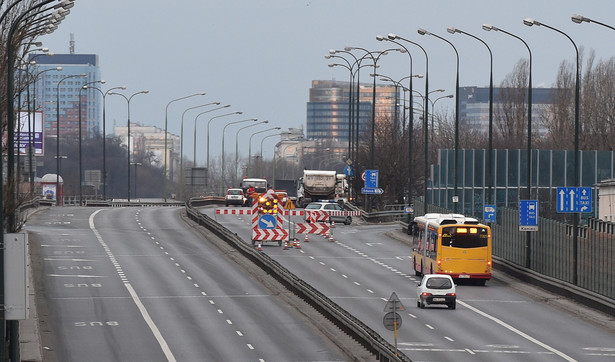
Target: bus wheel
<point>481,282</point>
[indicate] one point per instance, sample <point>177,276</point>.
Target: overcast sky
<point>261,56</point>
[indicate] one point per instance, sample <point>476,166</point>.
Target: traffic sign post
<point>528,215</point>
<point>372,191</point>
<point>392,320</point>
<point>489,213</point>
<point>574,199</point>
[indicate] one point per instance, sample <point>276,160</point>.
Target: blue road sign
<point>371,179</point>
<point>349,170</point>
<point>372,191</point>
<point>409,210</point>
<point>267,222</point>
<point>489,213</point>
<point>574,199</point>
<point>528,215</point>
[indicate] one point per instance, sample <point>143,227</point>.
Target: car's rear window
<point>235,192</point>
<point>312,207</point>
<point>439,283</point>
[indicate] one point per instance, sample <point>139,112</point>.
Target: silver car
<point>330,206</point>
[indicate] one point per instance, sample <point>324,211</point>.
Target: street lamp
<point>392,36</point>
<point>194,141</point>
<point>237,146</point>
<point>208,123</point>
<point>166,124</point>
<point>223,130</point>
<point>58,131</point>
<point>128,147</point>
<point>261,163</point>
<point>530,22</point>
<point>250,145</point>
<point>489,27</point>
<point>181,148</point>
<point>455,177</point>
<point>85,86</point>
<point>578,19</point>
<point>453,30</point>
<point>104,134</point>
<point>350,97</point>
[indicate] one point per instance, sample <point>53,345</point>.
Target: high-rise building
<point>474,105</point>
<point>66,86</point>
<point>329,106</point>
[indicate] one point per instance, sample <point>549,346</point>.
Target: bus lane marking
<point>144,313</point>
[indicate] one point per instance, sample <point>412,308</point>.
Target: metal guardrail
<point>367,337</point>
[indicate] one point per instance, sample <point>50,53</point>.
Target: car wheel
<point>452,305</point>
<point>348,220</point>
<point>422,305</point>
<point>418,303</point>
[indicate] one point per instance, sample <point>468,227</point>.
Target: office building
<point>66,86</point>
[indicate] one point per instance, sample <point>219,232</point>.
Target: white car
<point>234,197</point>
<point>330,206</point>
<point>436,289</point>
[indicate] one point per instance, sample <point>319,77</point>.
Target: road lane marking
<point>515,330</point>
<point>144,313</point>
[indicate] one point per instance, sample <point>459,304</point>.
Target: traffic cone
<point>260,246</point>
<point>286,245</point>
<point>331,237</point>
<point>332,223</point>
<point>297,244</point>
<point>306,238</point>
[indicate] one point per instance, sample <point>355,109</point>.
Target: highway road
<point>140,284</point>
<point>504,320</point>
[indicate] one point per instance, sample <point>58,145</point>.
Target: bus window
<point>464,237</point>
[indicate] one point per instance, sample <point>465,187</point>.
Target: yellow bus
<point>451,244</point>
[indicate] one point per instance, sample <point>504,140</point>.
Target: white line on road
<point>161,341</point>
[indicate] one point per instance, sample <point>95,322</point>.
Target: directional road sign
<point>372,191</point>
<point>371,179</point>
<point>528,215</point>
<point>574,199</point>
<point>489,213</point>
<point>267,222</point>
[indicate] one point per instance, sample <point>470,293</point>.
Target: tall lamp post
<point>85,86</point>
<point>237,147</point>
<point>136,164</point>
<point>58,201</point>
<point>208,123</point>
<point>181,148</point>
<point>530,22</point>
<point>264,138</point>
<point>456,167</point>
<point>223,130</point>
<point>392,36</point>
<point>453,30</point>
<point>166,131</point>
<point>104,134</point>
<point>195,119</point>
<point>128,146</point>
<point>250,146</point>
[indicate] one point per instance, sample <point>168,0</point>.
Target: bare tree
<point>510,113</point>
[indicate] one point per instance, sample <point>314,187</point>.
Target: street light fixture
<point>58,132</point>
<point>85,86</point>
<point>194,141</point>
<point>530,22</point>
<point>208,123</point>
<point>237,146</point>
<point>456,167</point>
<point>104,134</point>
<point>578,19</point>
<point>392,36</point>
<point>128,147</point>
<point>223,130</point>
<point>181,147</point>
<point>250,146</point>
<point>454,30</point>
<point>166,128</point>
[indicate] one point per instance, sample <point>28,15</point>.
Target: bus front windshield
<point>465,236</point>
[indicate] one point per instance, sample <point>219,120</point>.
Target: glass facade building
<point>48,93</point>
<point>550,169</point>
<point>329,106</point>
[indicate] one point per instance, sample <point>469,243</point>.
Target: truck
<point>342,191</point>
<point>316,185</point>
